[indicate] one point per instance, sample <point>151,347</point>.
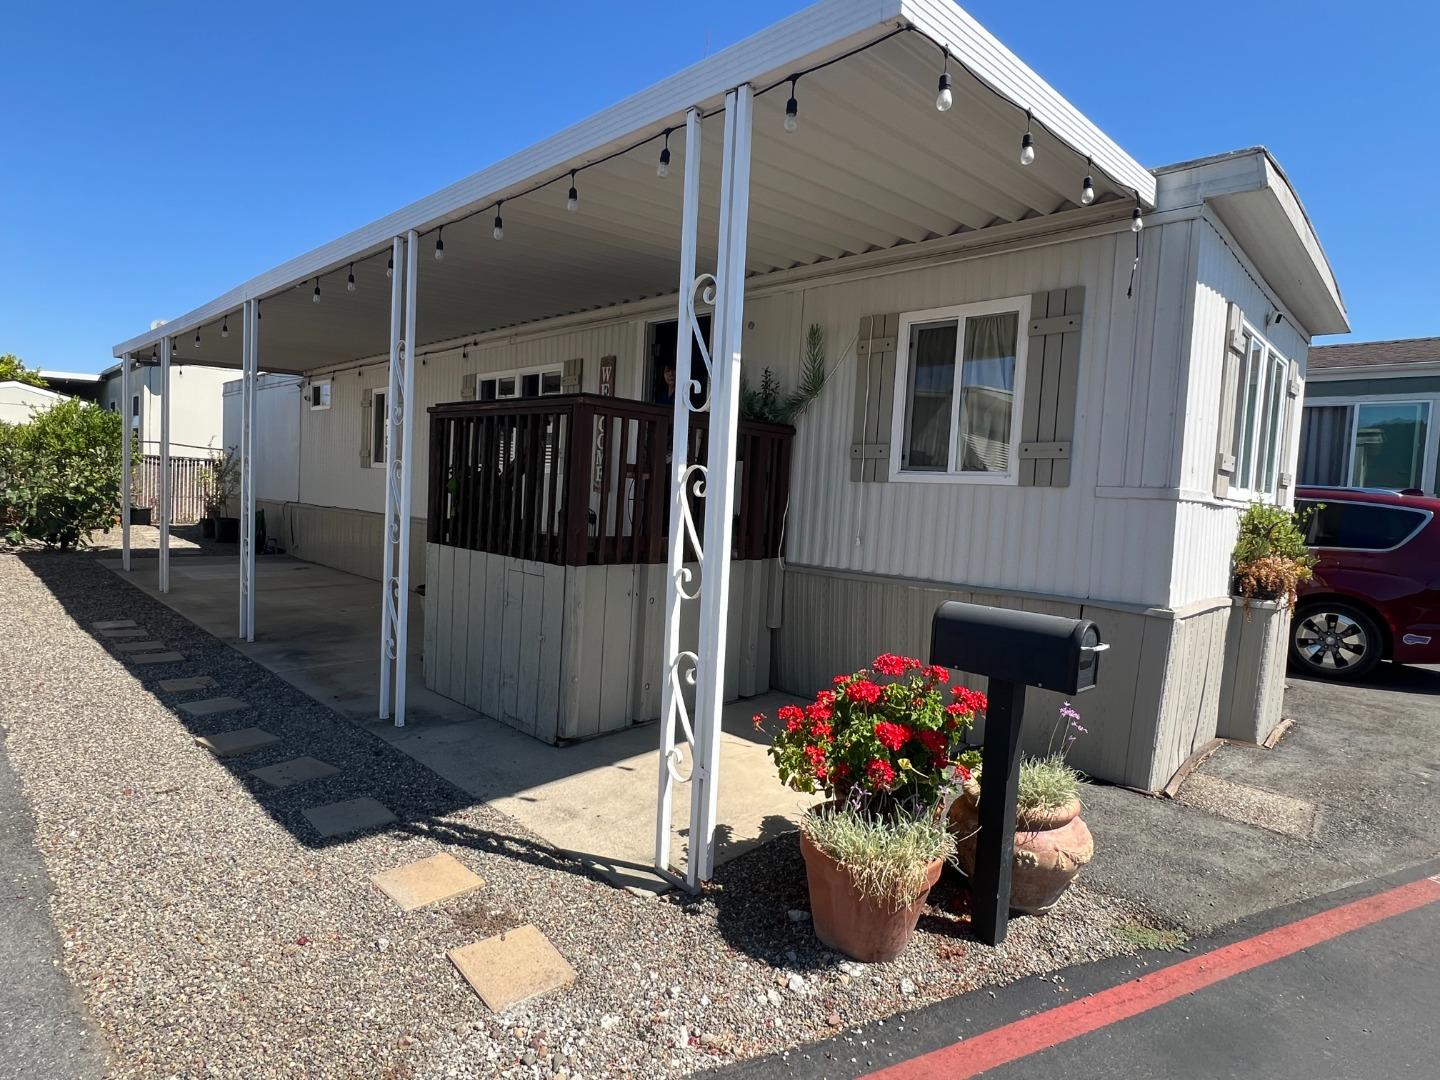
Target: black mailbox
<point>1045,651</point>
<point>1013,649</point>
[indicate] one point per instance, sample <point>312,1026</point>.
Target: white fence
<point>187,490</point>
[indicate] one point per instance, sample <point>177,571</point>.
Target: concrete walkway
<point>318,629</point>
<point>43,1027</point>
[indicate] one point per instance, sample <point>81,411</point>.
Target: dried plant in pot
<point>885,745</point>
<point>1052,841</point>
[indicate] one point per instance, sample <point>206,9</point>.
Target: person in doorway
<point>666,395</point>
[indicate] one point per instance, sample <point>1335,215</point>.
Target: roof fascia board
<point>822,30</point>
<point>1375,371</point>
<point>981,52</point>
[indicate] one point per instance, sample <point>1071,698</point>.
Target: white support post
<point>163,560</point>
<point>126,434</point>
<point>399,479</point>
<point>728,324</point>
<point>680,664</point>
<point>249,357</point>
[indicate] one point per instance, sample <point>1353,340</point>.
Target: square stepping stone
<point>140,646</point>
<point>113,624</point>
<point>155,658</point>
<point>512,967</point>
<point>199,682</point>
<point>428,881</point>
<point>350,816</point>
<point>124,632</point>
<point>211,706</point>
<point>235,743</point>
<point>289,773</point>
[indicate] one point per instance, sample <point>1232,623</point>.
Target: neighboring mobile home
<point>1052,379</point>
<point>1370,410</point>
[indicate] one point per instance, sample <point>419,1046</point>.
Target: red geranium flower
<point>758,719</point>
<point>816,754</point>
<point>969,700</point>
<point>825,697</point>
<point>820,729</point>
<point>790,712</point>
<point>818,712</point>
<point>881,773</point>
<point>893,736</point>
<point>889,664</point>
<point>963,773</point>
<point>933,741</point>
<point>864,691</point>
<point>938,672</point>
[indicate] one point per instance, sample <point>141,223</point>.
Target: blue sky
<point>153,155</point>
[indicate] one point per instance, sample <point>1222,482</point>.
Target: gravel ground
<point>212,933</point>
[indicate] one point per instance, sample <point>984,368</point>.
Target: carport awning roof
<point>872,165</point>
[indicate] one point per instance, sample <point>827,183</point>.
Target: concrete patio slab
<point>154,658</point>
<point>118,632</point>
<point>235,743</point>
<point>316,628</point>
<point>113,624</point>
<point>211,706</point>
<point>512,967</point>
<point>1249,805</point>
<point>350,816</point>
<point>289,773</point>
<point>427,881</point>
<point>139,646</point>
<point>199,682</point>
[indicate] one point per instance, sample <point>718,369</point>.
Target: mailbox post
<point>1014,650</point>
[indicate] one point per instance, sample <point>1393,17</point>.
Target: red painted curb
<point>1022,1038</point>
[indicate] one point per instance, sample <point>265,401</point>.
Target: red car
<point>1376,591</point>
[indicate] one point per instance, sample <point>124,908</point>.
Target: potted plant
<point>222,484</point>
<point>885,745</point>
<point>1270,560</point>
<point>1052,842</point>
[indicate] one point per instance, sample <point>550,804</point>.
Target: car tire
<point>1331,639</point>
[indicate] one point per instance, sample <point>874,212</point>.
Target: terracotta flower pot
<point>1050,848</point>
<point>851,923</point>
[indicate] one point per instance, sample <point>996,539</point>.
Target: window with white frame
<point>1260,420</point>
<point>959,376</point>
<point>1379,443</point>
<point>520,383</point>
<point>318,395</point>
<point>380,427</point>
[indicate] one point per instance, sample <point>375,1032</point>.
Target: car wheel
<point>1334,640</point>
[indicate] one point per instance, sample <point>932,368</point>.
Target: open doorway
<point>662,341</point>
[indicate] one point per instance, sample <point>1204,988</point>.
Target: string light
<point>499,231</point>
<point>197,339</point>
<point>944,99</point>
<point>1027,144</point>
<point>390,267</point>
<point>225,326</point>
<point>440,244</point>
<point>315,296</point>
<point>663,169</point>
<point>1087,189</point>
<point>1137,220</point>
<point>792,107</point>
<point>572,198</point>
<point>350,279</point>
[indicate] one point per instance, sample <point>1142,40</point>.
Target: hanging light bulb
<point>572,199</point>
<point>390,267</point>
<point>197,339</point>
<point>315,296</point>
<point>225,326</point>
<point>350,279</point>
<point>1027,144</point>
<point>440,244</point>
<point>1087,187</point>
<point>499,231</point>
<point>792,107</point>
<point>663,169</point>
<point>944,99</point>
<point>1137,220</point>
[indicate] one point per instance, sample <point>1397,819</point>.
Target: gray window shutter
<point>1052,376</point>
<point>1229,387</point>
<point>367,403</point>
<point>570,376</point>
<point>874,398</point>
<point>1294,388</point>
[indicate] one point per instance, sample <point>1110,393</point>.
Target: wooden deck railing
<point>583,480</point>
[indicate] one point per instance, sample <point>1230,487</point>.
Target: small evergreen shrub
<point>60,475</point>
<point>1271,559</point>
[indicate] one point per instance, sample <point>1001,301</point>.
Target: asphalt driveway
<point>1348,795</point>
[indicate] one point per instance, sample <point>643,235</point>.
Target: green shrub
<point>1271,558</point>
<point>60,475</point>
